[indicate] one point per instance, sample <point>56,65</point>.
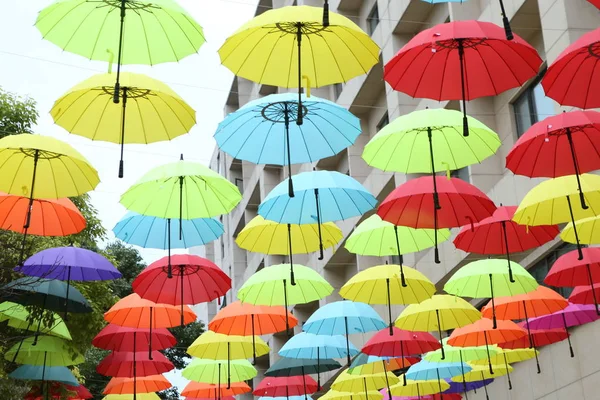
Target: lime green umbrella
<point>429,141</point>
<point>18,318</point>
<point>215,371</point>
<point>49,351</point>
<point>489,278</point>
<point>270,287</point>
<point>145,32</point>
<point>378,238</point>
<point>183,190</point>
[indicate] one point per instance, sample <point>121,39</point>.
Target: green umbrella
<point>183,190</point>
<point>49,351</point>
<point>140,32</point>
<point>429,141</point>
<point>18,318</point>
<point>489,278</point>
<point>378,238</point>
<point>270,287</point>
<point>49,294</point>
<point>302,366</point>
<point>215,371</point>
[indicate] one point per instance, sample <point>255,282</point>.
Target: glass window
<point>373,19</point>
<point>462,173</point>
<point>219,162</point>
<point>383,121</point>
<point>239,182</point>
<point>395,260</point>
<point>532,106</point>
<point>337,90</point>
<point>541,268</point>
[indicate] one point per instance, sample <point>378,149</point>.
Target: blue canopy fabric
<point>35,373</point>
<point>340,197</point>
<point>308,345</point>
<point>152,232</point>
<point>459,387</point>
<point>426,370</point>
<point>256,132</point>
<point>344,318</point>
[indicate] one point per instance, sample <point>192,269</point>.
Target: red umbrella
<point>573,78</point>
<point>595,2</point>
<point>133,364</point>
<point>120,338</point>
<point>499,234</point>
<point>541,337</point>
<point>286,386</point>
<point>193,280</point>
<point>461,60</point>
<point>569,271</point>
<point>401,344</point>
<point>564,144</point>
<point>78,392</point>
<point>412,204</point>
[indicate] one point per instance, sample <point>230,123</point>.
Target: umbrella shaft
<point>299,40</point>
<point>182,277</point>
<point>389,301</point>
<point>461,58</point>
<point>507,372</point>
<point>180,207</point>
<point>292,279</point>
<point>169,267</point>
<point>437,315</point>
<point>286,112</point>
<point>319,223</point>
<point>67,295</point>
<point>150,336</point>
<point>347,340</point>
<point>579,251</point>
<point>576,167</point>
<point>120,52</point>
<point>253,339</point>
<point>123,114</point>
<point>36,157</point>
<point>400,258</point>
<point>505,234</point>
<point>285,302</point>
<point>44,392</point>
<point>135,366</point>
<point>487,350</point>
<point>589,271</point>
<point>436,202</point>
<point>494,324</point>
<point>568,336</point>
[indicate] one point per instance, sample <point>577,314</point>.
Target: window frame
<point>528,95</point>
<point>383,121</point>
<point>373,16</point>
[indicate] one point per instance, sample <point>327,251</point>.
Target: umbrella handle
<point>389,302</point>
<point>228,365</point>
<point>494,322</point>
<point>285,301</point>
<point>253,340</point>
<point>326,14</point>
<point>579,251</point>
<point>568,336</point>
<point>461,58</point>
<point>505,234</point>
<point>487,350</point>
<point>121,35</point>
<point>347,341</point>
<point>150,336</point>
<point>169,266</point>
<point>506,23</point>
<point>576,168</point>
<point>400,259</point>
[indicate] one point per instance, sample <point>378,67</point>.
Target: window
<point>532,106</point>
<point>337,90</point>
<point>373,19</point>
<point>383,121</point>
<point>462,173</point>
<point>239,182</point>
<point>541,268</point>
<point>395,260</point>
<point>219,162</point>
<point>222,249</point>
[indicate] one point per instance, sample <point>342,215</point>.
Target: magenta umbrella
<point>573,315</point>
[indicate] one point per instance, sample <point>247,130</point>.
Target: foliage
<point>129,262</point>
<point>94,382</point>
<point>17,114</point>
<point>169,394</point>
<point>185,337</point>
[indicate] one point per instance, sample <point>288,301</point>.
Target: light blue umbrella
<point>42,373</point>
<point>309,345</point>
<point>426,370</point>
<point>266,131</point>
<point>321,196</point>
<point>344,318</point>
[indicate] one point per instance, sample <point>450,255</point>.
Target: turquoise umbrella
<point>309,345</point>
<point>426,370</point>
<point>44,374</point>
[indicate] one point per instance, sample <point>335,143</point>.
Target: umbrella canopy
<point>482,333</point>
<point>151,111</point>
<point>49,217</point>
<point>139,396</point>
<point>481,373</point>
<point>563,144</point>
<point>344,318</point>
<point>388,284</point>
<point>489,278</point>
<point>217,371</point>
<point>216,346</point>
<point>301,366</point>
<point>44,374</point>
<point>570,78</point>
<point>210,391</point>
<point>412,388</point>
<point>587,229</point>
<point>537,338</point>
<point>284,398</point>
<point>460,354</point>
<point>280,46</point>
<point>401,344</point>
<point>585,294</point>
<point>120,338</point>
<point>245,319</point>
<point>503,358</point>
<point>125,364</point>
<point>346,382</point>
<point>364,364</point>
<point>441,313</point>
<point>47,351</point>
<point>413,204</point>
<point>145,384</point>
<point>572,315</point>
<point>375,237</point>
<point>427,370</point>
<point>155,233</point>
<point>336,395</point>
<point>541,301</point>
<point>286,386</point>
<point>555,201</point>
<point>183,190</point>
<point>49,294</point>
<point>499,234</point>
<point>18,317</point>
<point>309,345</point>
<point>56,390</point>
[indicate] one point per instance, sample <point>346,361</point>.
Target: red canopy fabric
<point>401,344</point>
<point>120,364</point>
<point>120,338</point>
<point>79,392</point>
<point>286,386</point>
<point>568,270</point>
<point>540,338</point>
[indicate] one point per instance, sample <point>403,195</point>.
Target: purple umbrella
<point>573,315</point>
<point>69,264</point>
<point>459,387</point>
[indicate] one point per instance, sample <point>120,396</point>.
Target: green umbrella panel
<point>49,351</point>
<point>215,371</point>
<point>18,317</point>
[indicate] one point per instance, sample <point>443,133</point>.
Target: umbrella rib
<point>445,65</point>
<point>337,65</point>
<point>159,115</point>
<point>266,63</point>
<point>489,75</point>
<point>83,20</point>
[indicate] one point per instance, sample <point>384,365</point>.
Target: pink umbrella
<point>573,315</point>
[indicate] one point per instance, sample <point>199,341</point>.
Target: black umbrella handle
<point>123,117</point>
<point>576,168</point>
<point>286,115</point>
<point>505,234</point>
<point>461,58</point>
<point>292,278</point>
<point>506,23</point>
<point>400,258</point>
<point>568,336</point>
<point>507,372</point>
<point>389,302</point>
<point>299,118</point>
<point>326,14</point>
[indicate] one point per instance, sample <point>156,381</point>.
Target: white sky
<point>36,68</point>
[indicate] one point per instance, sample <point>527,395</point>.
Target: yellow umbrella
<point>442,312</point>
<point>587,230</point>
<point>269,237</point>
<point>481,372</point>
<point>388,284</point>
<point>556,201</point>
<point>506,357</point>
<point>347,382</point>
<point>150,111</point>
<point>419,388</point>
<point>41,167</point>
<point>281,46</point>
<point>335,395</point>
<point>217,346</point>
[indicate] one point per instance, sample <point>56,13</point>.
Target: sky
<point>35,68</point>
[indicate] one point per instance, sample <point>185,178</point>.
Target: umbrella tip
<point>181,157</point>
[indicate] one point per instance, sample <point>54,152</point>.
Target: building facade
<point>548,25</point>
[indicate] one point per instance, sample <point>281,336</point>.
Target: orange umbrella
<point>245,319</point>
<point>483,333</point>
<point>134,312</point>
<point>144,384</point>
<point>208,391</point>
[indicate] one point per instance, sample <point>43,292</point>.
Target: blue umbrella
<point>155,233</point>
<point>321,196</point>
<point>309,345</point>
<point>262,131</point>
<point>344,318</point>
<point>44,374</point>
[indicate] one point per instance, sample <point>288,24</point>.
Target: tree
<point>17,114</point>
<point>169,394</point>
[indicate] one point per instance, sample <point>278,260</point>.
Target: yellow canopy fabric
<point>453,311</point>
<point>335,395</point>
<point>419,388</point>
<point>347,382</point>
<point>153,112</point>
<point>588,230</point>
<point>507,356</point>
<point>217,346</point>
<point>265,49</point>
<point>269,237</point>
<point>481,372</point>
<point>547,204</point>
<point>61,170</point>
